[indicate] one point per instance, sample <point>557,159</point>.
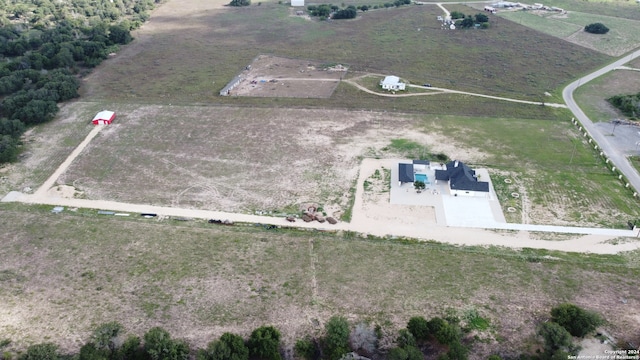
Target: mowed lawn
<point>63,274</point>
<point>171,62</point>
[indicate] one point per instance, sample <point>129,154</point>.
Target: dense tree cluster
<point>445,338</point>
<point>46,45</point>
<point>348,13</point>
<point>325,11</point>
<point>596,28</point>
<point>468,21</point>
<point>628,104</point>
<point>240,3</point>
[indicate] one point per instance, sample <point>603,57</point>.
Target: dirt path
<point>42,190</point>
<point>387,220</point>
<point>436,91</point>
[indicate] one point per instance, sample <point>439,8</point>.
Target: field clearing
<point>198,281</point>
<point>545,23</point>
<point>592,96</point>
<point>506,60</point>
<point>233,159</point>
<point>621,38</point>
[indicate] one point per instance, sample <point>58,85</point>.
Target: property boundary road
<point>618,159</point>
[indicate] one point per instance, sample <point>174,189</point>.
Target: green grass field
<point>620,39</point>
<point>504,60</point>
<point>73,270</point>
<point>553,166</point>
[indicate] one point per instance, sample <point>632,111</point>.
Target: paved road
<point>618,159</point>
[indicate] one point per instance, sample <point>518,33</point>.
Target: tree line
<point>47,46</point>
<point>445,338</point>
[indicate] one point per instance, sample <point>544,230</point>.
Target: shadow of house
<point>462,180</point>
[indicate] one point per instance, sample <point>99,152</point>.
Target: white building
<point>297,2</point>
<point>392,83</point>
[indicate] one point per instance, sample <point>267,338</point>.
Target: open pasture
<point>63,274</point>
<point>621,38</point>
<point>172,62</point>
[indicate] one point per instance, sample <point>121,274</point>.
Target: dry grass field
<point>177,61</point>
<point>63,274</point>
<point>176,142</point>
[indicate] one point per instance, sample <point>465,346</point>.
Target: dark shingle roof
<point>405,173</point>
<point>461,177</point>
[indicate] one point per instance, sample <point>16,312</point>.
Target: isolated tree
<point>264,343</point>
<point>596,28</point>
<point>577,321</point>
<point>228,347</point>
<point>336,340</point>
<point>364,8</point>
<point>419,185</point>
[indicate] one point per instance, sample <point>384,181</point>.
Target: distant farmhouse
<point>416,171</point>
<point>392,83</point>
<point>462,180</point>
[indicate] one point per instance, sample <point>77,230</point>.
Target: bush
<point>482,18</point>
<point>336,341</point>
<point>555,337</point>
<point>405,339</point>
<point>264,343</point>
<point>159,346</point>
<point>305,348</point>
<point>240,3</point>
<point>45,351</point>
<point>419,327</point>
<point>228,347</point>
<point>596,28</point>
<point>577,321</point>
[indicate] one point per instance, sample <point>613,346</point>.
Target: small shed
<point>104,117</point>
<point>297,2</point>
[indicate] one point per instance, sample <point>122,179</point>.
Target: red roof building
<point>104,118</point>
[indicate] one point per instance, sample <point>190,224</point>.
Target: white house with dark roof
<point>462,180</point>
<point>392,83</point>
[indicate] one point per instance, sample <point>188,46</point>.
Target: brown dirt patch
<point>270,76</point>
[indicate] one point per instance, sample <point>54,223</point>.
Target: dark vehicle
<point>426,85</point>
